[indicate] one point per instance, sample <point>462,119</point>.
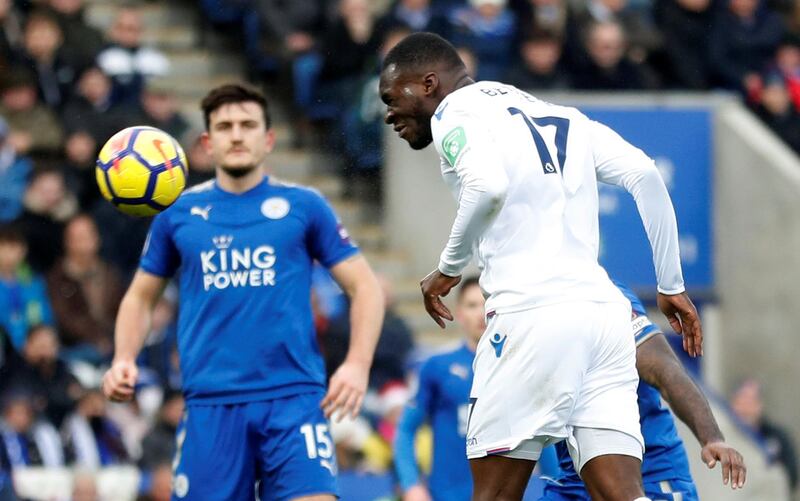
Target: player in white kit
<point>557,361</point>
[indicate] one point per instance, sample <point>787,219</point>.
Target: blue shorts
<point>667,490</point>
<point>284,445</point>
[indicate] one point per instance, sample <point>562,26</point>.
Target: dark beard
<point>240,172</point>
<point>424,134</point>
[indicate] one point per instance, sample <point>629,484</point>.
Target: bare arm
<point>133,324</point>
<point>658,366</point>
<point>349,383</point>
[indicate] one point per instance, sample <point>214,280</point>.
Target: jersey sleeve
<point>159,255</point>
<point>328,240</point>
<point>414,415</point>
<point>469,161</point>
<point>643,328</point>
<point>619,163</point>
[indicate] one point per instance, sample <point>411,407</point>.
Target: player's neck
<point>233,184</point>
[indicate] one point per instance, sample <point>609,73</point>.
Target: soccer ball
<point>141,170</point>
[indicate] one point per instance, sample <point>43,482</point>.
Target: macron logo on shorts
<point>497,343</point>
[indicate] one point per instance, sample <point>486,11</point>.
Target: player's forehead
<point>392,80</point>
<point>236,112</point>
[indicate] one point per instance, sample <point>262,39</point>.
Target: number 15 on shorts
<point>319,445</point>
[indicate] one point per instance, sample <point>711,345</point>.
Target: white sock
<point>642,499</point>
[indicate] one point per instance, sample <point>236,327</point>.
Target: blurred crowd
<point>66,255</point>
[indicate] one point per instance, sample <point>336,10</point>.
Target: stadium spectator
<point>14,172</point>
<point>84,41</point>
<point>126,60</point>
<point>159,108</point>
<point>786,66</point>
<point>47,206</point>
<point>28,440</point>
<point>540,69</point>
<point>347,46</point>
<point>742,41</point>
<point>778,113</point>
<point>35,129</point>
<point>91,108</point>
<point>158,447</point>
<point>10,30</point>
<point>748,404</point>
<point>290,26</point>
<point>471,62</point>
<point>393,348</point>
<point>42,375</point>
<point>23,296</point>
<point>414,15</point>
<point>685,26</point>
<point>92,440</point>
<point>607,67</point>
<point>643,38</point>
<point>488,29</point>
<point>85,292</point>
<point>84,487</point>
<point>49,58</point>
<point>536,16</point>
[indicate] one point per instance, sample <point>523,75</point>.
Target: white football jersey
<point>525,175</point>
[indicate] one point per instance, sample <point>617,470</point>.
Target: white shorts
<point>542,372</point>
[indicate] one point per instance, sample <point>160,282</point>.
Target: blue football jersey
<point>244,264</point>
<point>664,456</point>
<point>442,400</point>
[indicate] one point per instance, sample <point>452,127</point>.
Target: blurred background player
<point>442,399</point>
<point>665,466</point>
<point>253,377</point>
<point>574,374</point>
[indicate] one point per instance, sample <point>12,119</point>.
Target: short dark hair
<point>465,284</point>
<point>423,49</point>
<point>11,234</point>
<point>233,93</point>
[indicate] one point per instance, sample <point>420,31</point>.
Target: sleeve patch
<point>453,144</point>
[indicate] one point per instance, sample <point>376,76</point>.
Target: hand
<point>733,467</point>
<point>119,380</point>
<point>683,318</point>
<point>346,390</point>
<point>417,493</point>
<point>435,286</point>
<point>21,141</point>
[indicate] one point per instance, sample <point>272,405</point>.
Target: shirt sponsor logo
<point>181,485</point>
<point>227,266</point>
<point>453,144</point>
<point>497,341</point>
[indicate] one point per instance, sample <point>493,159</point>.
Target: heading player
<point>254,380</point>
<point>665,467</point>
<point>557,361</point>
<point>442,399</point>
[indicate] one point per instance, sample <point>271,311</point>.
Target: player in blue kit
<point>665,467</point>
<point>442,399</point>
<point>254,381</point>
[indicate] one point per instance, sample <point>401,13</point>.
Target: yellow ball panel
<point>169,186</point>
<point>154,146</point>
<point>129,178</point>
<point>101,183</point>
<point>140,210</point>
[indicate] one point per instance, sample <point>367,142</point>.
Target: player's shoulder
<point>198,192</point>
<point>300,192</point>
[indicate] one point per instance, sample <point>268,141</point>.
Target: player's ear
<point>269,138</point>
<point>205,140</point>
<point>430,82</point>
